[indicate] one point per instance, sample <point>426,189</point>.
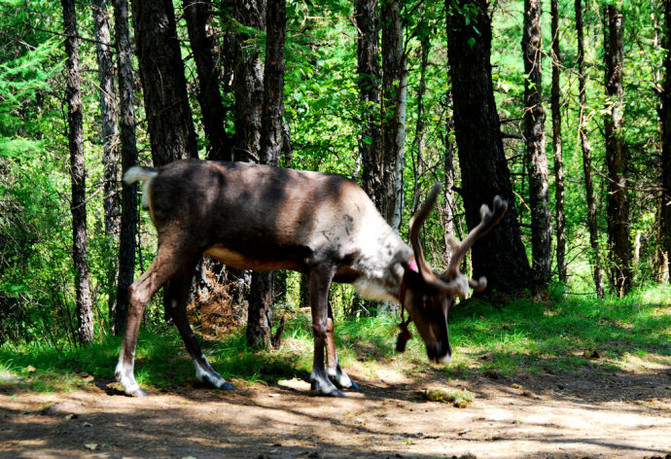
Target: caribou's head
<point>427,295</point>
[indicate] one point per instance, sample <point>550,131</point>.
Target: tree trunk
<point>555,102</point>
<point>665,117</point>
<point>248,83</point>
<point>198,14</point>
<point>587,157</point>
<point>534,121</point>
<point>500,256</point>
<point>368,60</point>
<point>394,101</point>
<point>129,213</point>
<point>78,175</point>
<point>110,136</point>
<point>272,119</point>
<point>171,130</point>
<point>616,156</point>
<point>259,322</point>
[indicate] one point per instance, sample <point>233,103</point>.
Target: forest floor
<point>624,413</point>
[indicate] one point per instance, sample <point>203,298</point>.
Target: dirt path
<point>624,414</point>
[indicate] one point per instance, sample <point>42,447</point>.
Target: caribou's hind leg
<point>171,258</point>
<point>176,299</point>
<point>161,270</point>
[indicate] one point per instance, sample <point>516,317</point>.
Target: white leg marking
<point>124,374</point>
<point>209,376</point>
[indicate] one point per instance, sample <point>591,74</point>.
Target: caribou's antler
<point>489,218</point>
<point>452,281</point>
<point>456,286</point>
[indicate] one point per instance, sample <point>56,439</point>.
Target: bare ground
<point>621,414</point>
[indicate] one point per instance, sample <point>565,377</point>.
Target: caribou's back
<point>253,216</point>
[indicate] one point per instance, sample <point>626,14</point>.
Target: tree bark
<point>534,125</point>
<point>394,102</point>
<point>129,211</point>
<point>616,155</point>
<point>368,61</point>
<point>555,102</point>
<point>587,157</point>
<point>665,117</point>
<point>77,174</point>
<point>171,130</point>
<point>272,119</point>
<point>248,83</point>
<point>110,136</point>
<point>500,256</point>
<point>198,14</point>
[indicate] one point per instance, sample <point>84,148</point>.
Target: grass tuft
<point>460,398</point>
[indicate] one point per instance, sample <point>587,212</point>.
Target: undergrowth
<point>563,333</point>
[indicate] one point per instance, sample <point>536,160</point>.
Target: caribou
<point>259,217</point>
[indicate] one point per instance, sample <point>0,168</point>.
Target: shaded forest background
<point>388,94</point>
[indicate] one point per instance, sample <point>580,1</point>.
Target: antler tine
<point>416,223</point>
<point>488,219</point>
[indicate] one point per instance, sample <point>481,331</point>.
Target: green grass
<point>563,334</point>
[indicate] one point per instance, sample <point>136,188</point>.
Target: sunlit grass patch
<point>568,334</point>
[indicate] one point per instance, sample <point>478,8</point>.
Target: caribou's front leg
<point>320,282</point>
<point>333,369</point>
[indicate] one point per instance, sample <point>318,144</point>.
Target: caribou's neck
<point>382,275</point>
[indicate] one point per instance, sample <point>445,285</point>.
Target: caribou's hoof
<point>216,381</point>
<point>137,393</point>
<point>227,386</point>
<point>325,390</point>
<point>328,393</point>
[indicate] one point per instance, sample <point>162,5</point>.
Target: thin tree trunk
<point>587,157</point>
<point>555,102</point>
<point>368,60</point>
<point>665,117</point>
<point>259,322</point>
<point>450,150</point>
<point>395,90</point>
<point>499,256</point>
<point>198,14</point>
<point>249,103</point>
<point>110,136</point>
<point>78,175</point>
<point>420,134</point>
<point>129,213</point>
<point>534,121</point>
<point>616,156</point>
<point>171,130</point>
